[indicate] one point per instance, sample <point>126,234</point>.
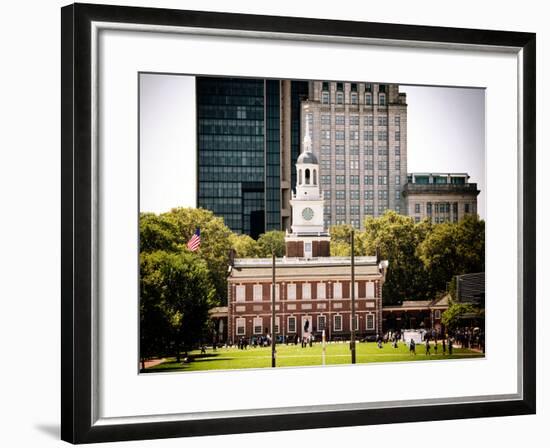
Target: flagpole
<point>352,289</point>
<point>273,333</point>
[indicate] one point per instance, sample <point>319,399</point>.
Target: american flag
<point>194,243</point>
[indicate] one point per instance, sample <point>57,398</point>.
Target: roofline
<point>313,262</point>
<point>421,173</point>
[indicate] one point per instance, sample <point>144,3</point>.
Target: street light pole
<point>273,334</point>
<point>352,290</point>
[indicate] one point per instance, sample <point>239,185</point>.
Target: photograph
<point>255,207</point>
<point>289,223</point>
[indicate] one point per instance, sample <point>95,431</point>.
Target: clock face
<point>307,213</point>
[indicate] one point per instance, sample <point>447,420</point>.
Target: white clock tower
<point>307,207</point>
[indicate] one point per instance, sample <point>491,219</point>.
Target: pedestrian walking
<point>428,347</point>
<point>412,347</point>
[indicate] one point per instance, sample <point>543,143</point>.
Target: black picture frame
<point>77,425</point>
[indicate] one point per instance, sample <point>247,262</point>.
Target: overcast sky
<point>446,133</point>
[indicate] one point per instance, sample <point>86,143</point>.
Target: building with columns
<point>441,197</point>
<point>312,289</point>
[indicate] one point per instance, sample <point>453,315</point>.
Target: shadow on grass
<point>203,355</point>
<point>173,366</point>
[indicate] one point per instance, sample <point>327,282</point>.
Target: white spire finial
<point>307,139</point>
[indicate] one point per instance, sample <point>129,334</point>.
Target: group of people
<point>257,341</point>
<point>433,341</point>
<point>470,337</point>
<point>446,345</point>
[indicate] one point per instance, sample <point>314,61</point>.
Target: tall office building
<point>359,134</point>
<point>248,137</point>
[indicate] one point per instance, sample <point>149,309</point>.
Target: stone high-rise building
<point>359,134</point>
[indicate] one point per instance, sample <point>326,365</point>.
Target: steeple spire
<point>307,139</point>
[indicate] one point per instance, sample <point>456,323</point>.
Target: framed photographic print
<point>276,223</point>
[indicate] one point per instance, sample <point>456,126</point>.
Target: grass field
<point>295,355</point>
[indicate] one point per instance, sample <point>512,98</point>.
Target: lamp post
<point>273,335</point>
<point>352,290</point>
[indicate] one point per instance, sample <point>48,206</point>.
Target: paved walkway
<point>153,362</point>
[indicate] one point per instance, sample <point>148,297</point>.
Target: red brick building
<point>312,289</point>
<point>415,314</point>
<point>311,295</point>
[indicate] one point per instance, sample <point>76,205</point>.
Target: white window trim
<point>356,321</point>
<point>334,322</point>
<point>319,316</point>
<point>337,288</point>
<point>257,297</point>
<point>237,320</point>
<point>369,288</point>
<point>288,324</point>
<point>321,287</point>
<point>306,287</point>
<point>277,291</point>
<point>291,291</point>
<point>254,325</point>
<point>437,314</point>
<point>367,321</point>
<point>240,293</point>
<point>277,325</point>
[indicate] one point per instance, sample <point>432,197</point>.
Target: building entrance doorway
<point>307,328</point>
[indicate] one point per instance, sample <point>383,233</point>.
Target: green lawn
<point>295,355</point>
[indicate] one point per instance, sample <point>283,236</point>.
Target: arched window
<point>299,177</point>
<point>307,176</point>
<point>314,177</point>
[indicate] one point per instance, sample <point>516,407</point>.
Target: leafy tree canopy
<point>172,230</point>
<point>274,240</point>
<point>451,249</point>
<point>340,241</point>
<point>451,317</point>
<point>396,238</point>
<point>175,296</point>
<point>245,246</point>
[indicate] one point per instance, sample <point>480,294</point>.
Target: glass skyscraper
<point>273,155</point>
<point>230,139</point>
<point>240,149</point>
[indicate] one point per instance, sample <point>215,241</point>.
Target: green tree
<point>274,240</point>
<point>172,231</point>
<point>175,296</point>
<point>156,233</point>
<point>451,317</point>
<point>396,238</point>
<point>451,249</point>
<point>245,246</point>
<point>340,241</point>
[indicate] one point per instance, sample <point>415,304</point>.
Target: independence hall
<point>312,289</point>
